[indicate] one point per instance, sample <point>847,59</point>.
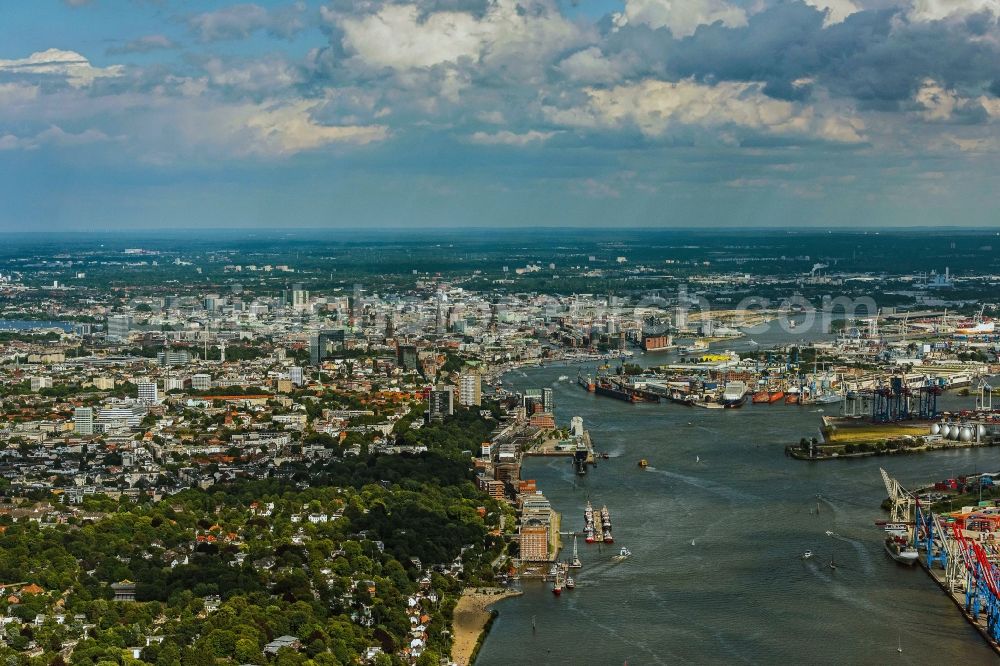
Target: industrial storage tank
<point>935,429</point>
<point>965,434</point>
<point>951,432</point>
<point>981,429</point>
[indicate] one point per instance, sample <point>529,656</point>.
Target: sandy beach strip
<point>470,617</point>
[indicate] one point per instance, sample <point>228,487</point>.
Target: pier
<point>563,448</point>
<point>979,621</point>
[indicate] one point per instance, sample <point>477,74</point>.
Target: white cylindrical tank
<point>951,432</point>
<point>965,434</point>
<point>935,429</point>
<point>981,430</point>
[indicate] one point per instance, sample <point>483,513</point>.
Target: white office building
<point>148,393</point>
<point>118,327</point>
<point>83,420</point>
<point>201,382</point>
<point>470,390</point>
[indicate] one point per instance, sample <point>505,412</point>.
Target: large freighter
<point>897,544</point>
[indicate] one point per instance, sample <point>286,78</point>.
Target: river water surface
<point>742,592</point>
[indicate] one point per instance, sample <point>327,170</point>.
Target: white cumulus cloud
<point>401,37</point>
<point>70,65</point>
<point>935,10</point>
<point>681,17</point>
<point>508,138</point>
<point>657,108</point>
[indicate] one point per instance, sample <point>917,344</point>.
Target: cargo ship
<point>897,544</point>
<point>734,395</point>
<point>606,388</point>
<point>606,520</point>
<point>776,396</point>
<point>598,527</point>
<point>641,395</point>
<point>761,396</point>
<point>586,382</point>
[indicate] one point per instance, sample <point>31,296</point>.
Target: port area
<point>554,445</point>
<point>858,437</point>
<point>979,621</point>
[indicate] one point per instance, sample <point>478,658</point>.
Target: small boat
<point>570,583</point>
<point>643,463</point>
<point>575,562</point>
<point>622,555</point>
<point>806,555</point>
<point>692,542</point>
<point>829,533</point>
<point>697,459</point>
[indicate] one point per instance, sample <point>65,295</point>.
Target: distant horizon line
<point>792,229</point>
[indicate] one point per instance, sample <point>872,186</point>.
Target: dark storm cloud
<point>877,57</point>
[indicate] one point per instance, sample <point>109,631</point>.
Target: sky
<point>148,114</point>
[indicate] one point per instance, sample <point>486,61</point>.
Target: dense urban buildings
<point>368,449</point>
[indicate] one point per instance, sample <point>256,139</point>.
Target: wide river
<point>717,574</point>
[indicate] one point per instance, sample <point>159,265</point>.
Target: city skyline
<point>120,114</point>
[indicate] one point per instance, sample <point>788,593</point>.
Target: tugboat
<point>606,521</point>
<point>643,463</point>
<point>588,524</point>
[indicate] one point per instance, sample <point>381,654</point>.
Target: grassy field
<point>870,433</point>
<point>875,433</point>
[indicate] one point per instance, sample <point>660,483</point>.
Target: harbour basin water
<point>742,592</point>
